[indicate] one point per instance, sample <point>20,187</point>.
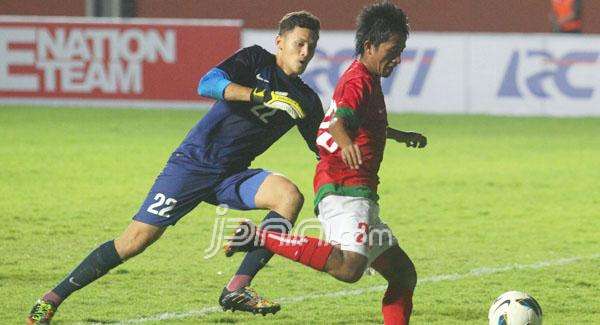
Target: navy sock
<point>258,258</point>
<point>96,264</point>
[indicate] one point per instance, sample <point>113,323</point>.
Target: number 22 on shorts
<point>167,205</point>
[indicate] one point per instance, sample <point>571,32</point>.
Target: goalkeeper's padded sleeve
<point>213,84</point>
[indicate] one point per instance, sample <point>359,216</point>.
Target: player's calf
<point>136,238</point>
<point>346,266</point>
<point>397,268</point>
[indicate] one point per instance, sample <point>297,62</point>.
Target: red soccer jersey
<point>358,99</point>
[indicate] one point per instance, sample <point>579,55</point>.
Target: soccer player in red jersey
<point>351,141</point>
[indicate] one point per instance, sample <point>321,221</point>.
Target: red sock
<point>396,306</point>
<point>306,250</point>
<point>52,297</point>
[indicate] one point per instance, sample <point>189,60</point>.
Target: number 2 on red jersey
<point>325,139</point>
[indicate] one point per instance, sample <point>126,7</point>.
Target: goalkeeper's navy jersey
<point>232,134</point>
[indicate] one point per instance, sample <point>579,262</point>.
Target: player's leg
<point>136,237</point>
<point>346,224</point>
<point>258,189</point>
<point>397,268</point>
<point>172,196</point>
<point>278,194</point>
<point>96,264</point>
<point>347,266</point>
<point>284,201</point>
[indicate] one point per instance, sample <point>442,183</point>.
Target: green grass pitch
<point>492,204</point>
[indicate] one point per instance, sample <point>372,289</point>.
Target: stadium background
<point>493,204</point>
<point>429,15</point>
<point>472,57</point>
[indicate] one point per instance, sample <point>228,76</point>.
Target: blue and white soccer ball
<point>515,308</point>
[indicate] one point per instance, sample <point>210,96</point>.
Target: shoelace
<point>257,300</point>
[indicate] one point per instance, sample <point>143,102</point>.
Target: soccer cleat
<point>244,239</point>
<point>246,299</point>
<point>41,313</point>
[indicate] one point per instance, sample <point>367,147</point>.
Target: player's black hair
<point>302,19</point>
<point>377,22</point>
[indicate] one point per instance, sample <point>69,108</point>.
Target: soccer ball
<point>515,308</point>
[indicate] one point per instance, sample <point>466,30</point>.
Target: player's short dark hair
<point>376,23</point>
<point>302,19</point>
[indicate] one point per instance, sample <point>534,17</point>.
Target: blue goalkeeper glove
<point>277,100</point>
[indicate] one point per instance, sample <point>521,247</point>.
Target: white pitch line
<point>478,272</point>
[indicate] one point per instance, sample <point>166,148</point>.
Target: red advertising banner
<point>116,60</point>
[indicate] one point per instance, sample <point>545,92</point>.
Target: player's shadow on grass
<point>223,320</point>
<point>98,321</point>
<point>85,321</point>
<point>227,320</point>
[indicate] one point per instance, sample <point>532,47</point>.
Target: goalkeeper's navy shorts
<point>182,185</point>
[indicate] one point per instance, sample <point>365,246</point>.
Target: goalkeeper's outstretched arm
<point>216,84</point>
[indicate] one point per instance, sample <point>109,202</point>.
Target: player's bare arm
<point>411,139</point>
<point>350,151</point>
<point>235,92</point>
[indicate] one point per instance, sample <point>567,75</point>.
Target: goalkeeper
<point>259,97</point>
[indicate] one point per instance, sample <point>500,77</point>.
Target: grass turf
<point>487,192</point>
